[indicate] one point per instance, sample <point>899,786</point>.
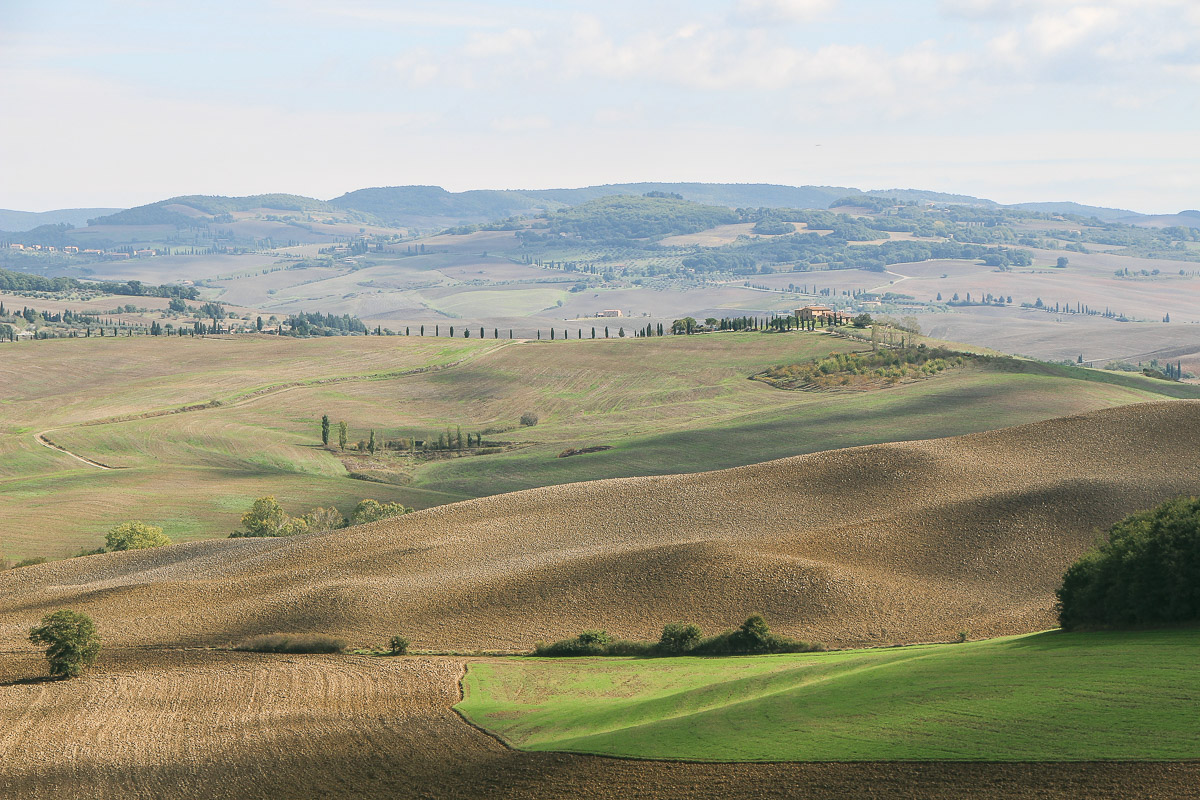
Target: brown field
<point>881,544</point>
<point>205,724</point>
<point>884,544</point>
<point>1055,337</point>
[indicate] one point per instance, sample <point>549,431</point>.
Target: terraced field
<point>670,405</point>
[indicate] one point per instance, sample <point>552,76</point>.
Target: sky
<point>114,104</point>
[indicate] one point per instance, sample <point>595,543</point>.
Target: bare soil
<point>207,724</point>
<point>886,544</point>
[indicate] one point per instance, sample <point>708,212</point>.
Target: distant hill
<point>432,207</point>
<point>19,221</point>
<point>925,196</point>
<point>734,195</point>
<point>1186,219</point>
<point>1099,212</point>
<point>402,205</point>
<point>189,208</point>
<point>409,205</point>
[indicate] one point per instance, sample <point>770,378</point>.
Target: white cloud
<point>435,15</point>
<point>507,42</point>
<point>784,10</point>
<point>521,124</point>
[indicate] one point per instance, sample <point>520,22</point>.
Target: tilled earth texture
<point>873,545</point>
<point>206,724</point>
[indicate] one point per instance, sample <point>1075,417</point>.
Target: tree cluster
<point>1147,573</point>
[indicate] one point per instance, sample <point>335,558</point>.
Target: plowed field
<point>202,724</point>
<point>883,544</point>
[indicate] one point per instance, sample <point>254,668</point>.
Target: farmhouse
<point>611,312</point>
<point>823,315</point>
<point>818,313</point>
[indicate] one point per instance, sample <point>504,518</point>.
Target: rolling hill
<point>882,544</point>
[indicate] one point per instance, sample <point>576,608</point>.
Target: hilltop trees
<point>1147,573</point>
<point>373,511</point>
<point>267,518</point>
<point>135,536</point>
<point>71,642</point>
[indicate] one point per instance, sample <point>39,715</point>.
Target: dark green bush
<point>753,637</point>
<point>71,642</point>
<point>292,643</point>
<point>398,646</point>
<point>588,643</point>
<point>1147,573</point>
<point>680,638</point>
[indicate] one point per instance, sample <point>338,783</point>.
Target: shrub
<point>135,536</point>
<point>588,643</point>
<point>373,511</point>
<point>320,520</point>
<point>71,642</point>
<point>398,646</point>
<point>267,518</point>
<point>679,637</point>
<point>1148,572</point>
<point>753,637</point>
<point>292,643</point>
<point>529,419</point>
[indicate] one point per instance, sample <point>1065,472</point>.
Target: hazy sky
<point>122,103</point>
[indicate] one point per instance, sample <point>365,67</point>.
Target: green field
<point>664,405</point>
<point>1043,697</point>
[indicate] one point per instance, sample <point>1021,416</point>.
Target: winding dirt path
<point>44,442</point>
<point>891,283</point>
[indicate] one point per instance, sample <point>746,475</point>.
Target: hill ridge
<point>879,544</point>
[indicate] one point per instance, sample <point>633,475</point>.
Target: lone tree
<point>343,434</point>
<point>135,536</point>
<point>71,642</point>
<point>325,430</point>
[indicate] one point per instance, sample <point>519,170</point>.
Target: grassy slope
<point>671,405</point>
<point>1044,697</point>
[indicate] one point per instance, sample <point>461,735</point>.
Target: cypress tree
<point>371,443</point>
<point>325,430</point>
<point>343,435</point>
